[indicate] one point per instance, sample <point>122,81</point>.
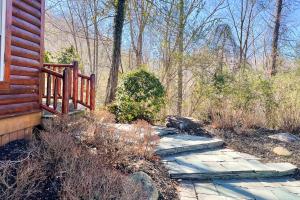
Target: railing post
<point>75,83</point>
<point>70,82</point>
<point>66,92</point>
<point>93,92</point>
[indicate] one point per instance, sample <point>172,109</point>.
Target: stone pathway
<point>207,170</point>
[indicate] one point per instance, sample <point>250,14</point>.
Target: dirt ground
<point>256,142</point>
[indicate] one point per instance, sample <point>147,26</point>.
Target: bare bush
<point>104,116</point>
<point>147,139</point>
<point>289,119</point>
<point>58,155</point>
<point>86,179</point>
<point>224,117</point>
<point>117,147</point>
<point>21,179</point>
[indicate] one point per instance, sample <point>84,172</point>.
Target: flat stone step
<point>254,189</point>
<point>173,144</point>
<point>223,164</point>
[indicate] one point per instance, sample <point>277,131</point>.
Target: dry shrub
<point>104,116</point>
<point>252,119</point>
<point>227,117</point>
<point>223,117</point>
<point>147,140</point>
<point>21,179</point>
<point>60,157</point>
<point>117,147</point>
<point>86,179</point>
<point>84,175</point>
<point>289,119</point>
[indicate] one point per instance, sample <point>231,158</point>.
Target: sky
<point>291,17</point>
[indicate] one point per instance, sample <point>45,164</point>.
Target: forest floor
<point>257,142</point>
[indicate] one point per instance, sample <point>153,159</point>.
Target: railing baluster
<point>87,93</point>
<point>55,94</point>
<point>48,100</point>
<point>75,83</point>
<point>53,80</point>
<point>81,89</point>
<point>65,100</point>
<point>59,82</point>
<point>93,92</point>
<point>70,83</point>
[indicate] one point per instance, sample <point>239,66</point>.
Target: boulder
<point>147,184</point>
<point>185,124</point>
<point>285,137</point>
<point>281,151</point>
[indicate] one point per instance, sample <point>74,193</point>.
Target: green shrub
<point>139,96</point>
<point>48,57</point>
<point>67,55</point>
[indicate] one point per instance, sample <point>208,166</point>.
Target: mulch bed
<point>18,150</point>
<point>256,142</point>
<point>14,150</point>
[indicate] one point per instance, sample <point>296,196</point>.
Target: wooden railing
<point>62,81</point>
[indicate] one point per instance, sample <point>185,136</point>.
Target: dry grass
<point>226,117</point>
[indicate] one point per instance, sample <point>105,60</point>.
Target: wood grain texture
<point>24,57</point>
<point>26,121</point>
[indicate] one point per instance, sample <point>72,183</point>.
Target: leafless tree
<point>276,36</point>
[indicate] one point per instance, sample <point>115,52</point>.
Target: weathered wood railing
<point>62,81</point>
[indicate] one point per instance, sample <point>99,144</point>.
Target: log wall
<point>24,56</point>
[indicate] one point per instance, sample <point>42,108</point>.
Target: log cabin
<point>28,86</point>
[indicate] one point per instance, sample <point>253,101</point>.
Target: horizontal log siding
<point>26,52</point>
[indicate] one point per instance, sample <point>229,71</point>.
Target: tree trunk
<point>139,52</point>
<point>180,52</point>
<point>116,57</point>
<point>276,37</point>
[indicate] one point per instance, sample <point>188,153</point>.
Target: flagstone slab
<point>206,170</point>
<point>222,165</point>
<point>172,144</point>
<point>241,189</point>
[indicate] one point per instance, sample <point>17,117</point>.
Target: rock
<point>285,137</point>
<point>281,151</point>
<point>185,124</point>
<point>147,183</point>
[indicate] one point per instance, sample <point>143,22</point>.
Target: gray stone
<point>282,151</point>
<point>186,191</point>
<point>185,124</point>
<point>147,184</point>
<point>184,143</point>
<point>262,189</point>
<point>285,137</point>
<point>223,165</point>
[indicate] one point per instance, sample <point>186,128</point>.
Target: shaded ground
<point>256,142</point>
